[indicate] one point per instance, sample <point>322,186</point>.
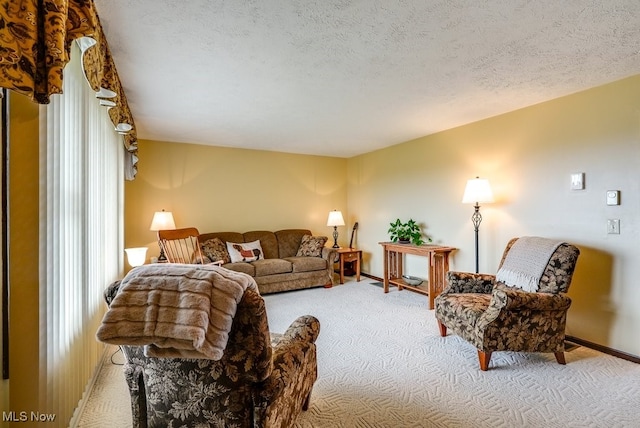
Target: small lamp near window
<point>335,219</point>
<point>136,256</point>
<point>477,191</point>
<point>162,220</point>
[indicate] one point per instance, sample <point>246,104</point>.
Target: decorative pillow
<point>311,246</point>
<point>215,250</point>
<point>197,260</point>
<point>245,252</point>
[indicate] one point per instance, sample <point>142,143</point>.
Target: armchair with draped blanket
<point>494,316</point>
<point>261,379</point>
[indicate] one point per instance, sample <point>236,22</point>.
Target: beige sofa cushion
<point>268,242</point>
<point>289,241</point>
<point>243,267</point>
<point>223,236</point>
<point>272,266</point>
<point>307,264</point>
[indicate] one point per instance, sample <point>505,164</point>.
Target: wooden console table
<point>437,256</point>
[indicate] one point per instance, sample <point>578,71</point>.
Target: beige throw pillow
<point>311,246</point>
<point>215,250</point>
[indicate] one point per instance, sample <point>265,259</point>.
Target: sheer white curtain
<point>81,236</point>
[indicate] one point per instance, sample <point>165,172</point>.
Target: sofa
<point>289,259</point>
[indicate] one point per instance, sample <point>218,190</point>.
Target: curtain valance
<point>35,44</point>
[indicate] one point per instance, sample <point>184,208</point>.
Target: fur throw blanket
<point>175,310</point>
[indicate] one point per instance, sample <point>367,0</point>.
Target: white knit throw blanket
<point>525,262</point>
<point>175,310</point>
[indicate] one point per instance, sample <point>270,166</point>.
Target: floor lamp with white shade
<point>476,192</point>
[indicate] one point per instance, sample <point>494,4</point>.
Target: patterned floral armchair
<point>495,317</point>
<point>262,380</point>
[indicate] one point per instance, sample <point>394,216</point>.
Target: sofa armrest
<point>510,298</point>
<point>330,254</point>
<point>467,282</point>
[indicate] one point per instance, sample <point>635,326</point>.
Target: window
<point>81,235</point>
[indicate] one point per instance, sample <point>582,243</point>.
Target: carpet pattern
<point>382,363</point>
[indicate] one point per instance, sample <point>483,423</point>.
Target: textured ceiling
<point>341,78</point>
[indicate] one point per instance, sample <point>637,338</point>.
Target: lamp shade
<point>335,219</point>
<point>136,256</point>
<point>477,190</point>
<point>162,220</point>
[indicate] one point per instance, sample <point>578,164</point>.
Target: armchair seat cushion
<point>464,307</point>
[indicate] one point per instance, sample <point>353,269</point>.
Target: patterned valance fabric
<point>35,45</point>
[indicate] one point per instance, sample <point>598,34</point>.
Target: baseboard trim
<point>573,339</point>
<point>603,349</point>
<point>371,276</point>
<point>77,413</point>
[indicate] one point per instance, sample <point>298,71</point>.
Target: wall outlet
<point>613,226</point>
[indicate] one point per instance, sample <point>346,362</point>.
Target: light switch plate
<point>577,181</point>
<point>613,226</point>
<point>613,197</point>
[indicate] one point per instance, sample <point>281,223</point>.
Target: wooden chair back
<point>181,245</point>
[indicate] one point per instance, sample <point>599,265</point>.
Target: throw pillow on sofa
<point>311,246</point>
<point>215,250</point>
<point>245,252</point>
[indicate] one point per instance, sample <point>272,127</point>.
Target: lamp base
<point>335,237</point>
<point>162,258</point>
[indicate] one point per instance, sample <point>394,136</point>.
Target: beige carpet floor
<point>382,363</point>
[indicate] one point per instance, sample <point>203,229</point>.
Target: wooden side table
<point>349,255</point>
<point>437,267</point>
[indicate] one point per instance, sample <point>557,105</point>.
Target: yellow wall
<point>528,155</point>
<point>4,384</point>
<point>222,189</point>
<point>23,255</point>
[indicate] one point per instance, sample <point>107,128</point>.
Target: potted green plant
<point>406,232</point>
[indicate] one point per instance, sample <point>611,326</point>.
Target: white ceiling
<point>345,77</point>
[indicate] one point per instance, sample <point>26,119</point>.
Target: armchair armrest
<point>510,298</point>
<point>306,328</point>
<point>289,355</point>
<point>505,300</point>
<point>133,373</point>
<point>466,282</point>
<point>111,291</point>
